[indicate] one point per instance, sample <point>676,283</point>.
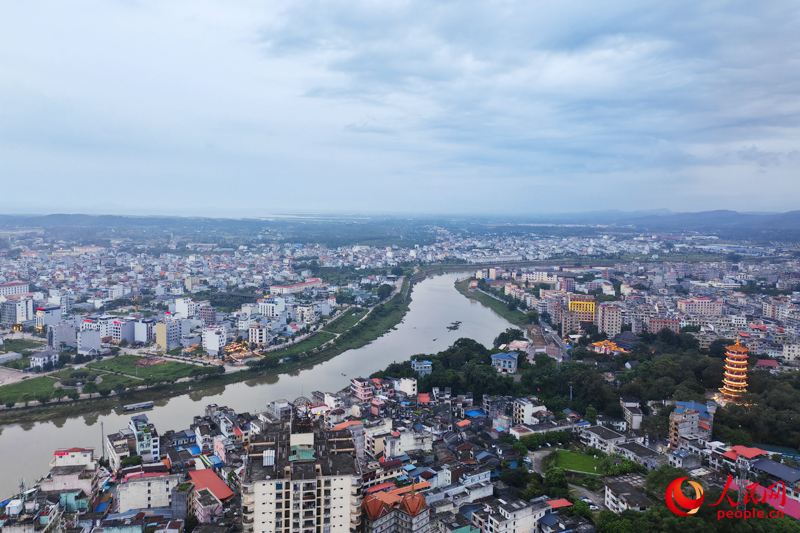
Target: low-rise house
<point>505,363</point>
<point>684,459</point>
<point>623,496</point>
<point>601,438</point>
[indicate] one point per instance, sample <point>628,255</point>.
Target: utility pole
<point>102,441</point>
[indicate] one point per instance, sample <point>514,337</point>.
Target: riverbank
<point>380,320</point>
<point>516,317</point>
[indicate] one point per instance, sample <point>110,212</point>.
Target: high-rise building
<point>300,477</point>
<point>168,334</point>
<point>584,308</point>
<point>735,378</point>
<point>609,319</point>
<point>16,311</point>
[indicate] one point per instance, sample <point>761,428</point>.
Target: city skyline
<point>219,110</point>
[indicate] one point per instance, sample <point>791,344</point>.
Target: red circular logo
<point>675,497</point>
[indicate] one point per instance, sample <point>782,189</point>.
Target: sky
<point>247,108</point>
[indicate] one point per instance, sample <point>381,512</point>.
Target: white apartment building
<point>622,496</point>
<point>305,313</point>
<point>524,409</point>
<point>89,342</point>
<point>301,480</point>
<point>214,339</point>
<point>258,335</point>
<point>406,385</point>
<point>147,493</point>
<point>272,307</point>
<point>14,287</point>
<point>16,311</point>
<point>700,306</point>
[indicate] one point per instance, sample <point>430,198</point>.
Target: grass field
<point>319,338</point>
<point>28,390</point>
<point>516,317</point>
<point>170,371</point>
<point>106,382</point>
<point>346,321</point>
<point>20,364</point>
<point>18,345</point>
<point>579,462</point>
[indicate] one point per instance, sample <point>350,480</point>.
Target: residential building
<point>422,368</point>
<point>168,334</point>
<point>214,340</point>
<point>623,496</point>
<point>505,363</point>
<point>601,438</point>
<point>700,306</point>
<point>146,440</point>
<point>361,388</point>
<point>16,311</point>
<point>524,410</point>
<point>88,342</point>
<point>301,477</point>
<point>13,288</point>
<point>258,335</point>
<point>388,512</point>
<point>656,324</point>
<point>609,319</point>
<point>48,315</point>
<point>154,492</point>
<point>41,359</point>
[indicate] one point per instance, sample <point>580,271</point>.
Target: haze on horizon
<point>251,108</point>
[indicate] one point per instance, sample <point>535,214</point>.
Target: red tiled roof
<point>463,423</point>
<point>424,398</point>
<point>767,362</point>
<point>558,504</point>
<point>207,479</point>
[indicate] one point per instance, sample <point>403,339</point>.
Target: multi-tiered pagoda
<point>735,380</point>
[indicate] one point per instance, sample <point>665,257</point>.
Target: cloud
<point>346,99</point>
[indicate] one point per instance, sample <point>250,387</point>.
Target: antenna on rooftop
<point>21,487</point>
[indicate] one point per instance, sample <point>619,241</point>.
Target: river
<point>26,449</point>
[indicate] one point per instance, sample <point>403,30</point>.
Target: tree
<point>397,271</point>
<point>533,316</point>
<point>384,291</point>
<point>131,461</point>
<point>591,414</point>
<point>510,334</point>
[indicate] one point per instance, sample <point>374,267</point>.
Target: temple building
<point>735,379</point>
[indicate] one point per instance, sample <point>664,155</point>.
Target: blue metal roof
<point>510,356</point>
<point>474,413</point>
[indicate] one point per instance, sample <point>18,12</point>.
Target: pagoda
<point>735,379</point>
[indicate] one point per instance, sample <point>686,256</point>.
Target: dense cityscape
<point>399,267</point>
<point>629,360</point>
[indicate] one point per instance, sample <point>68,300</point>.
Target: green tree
<point>591,414</point>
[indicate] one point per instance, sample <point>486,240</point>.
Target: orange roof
<point>463,423</point>
<point>558,504</point>
<point>413,504</point>
<point>345,425</point>
<point>424,398</point>
<point>731,455</point>
<point>374,507</point>
<point>748,452</point>
<point>207,479</point>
